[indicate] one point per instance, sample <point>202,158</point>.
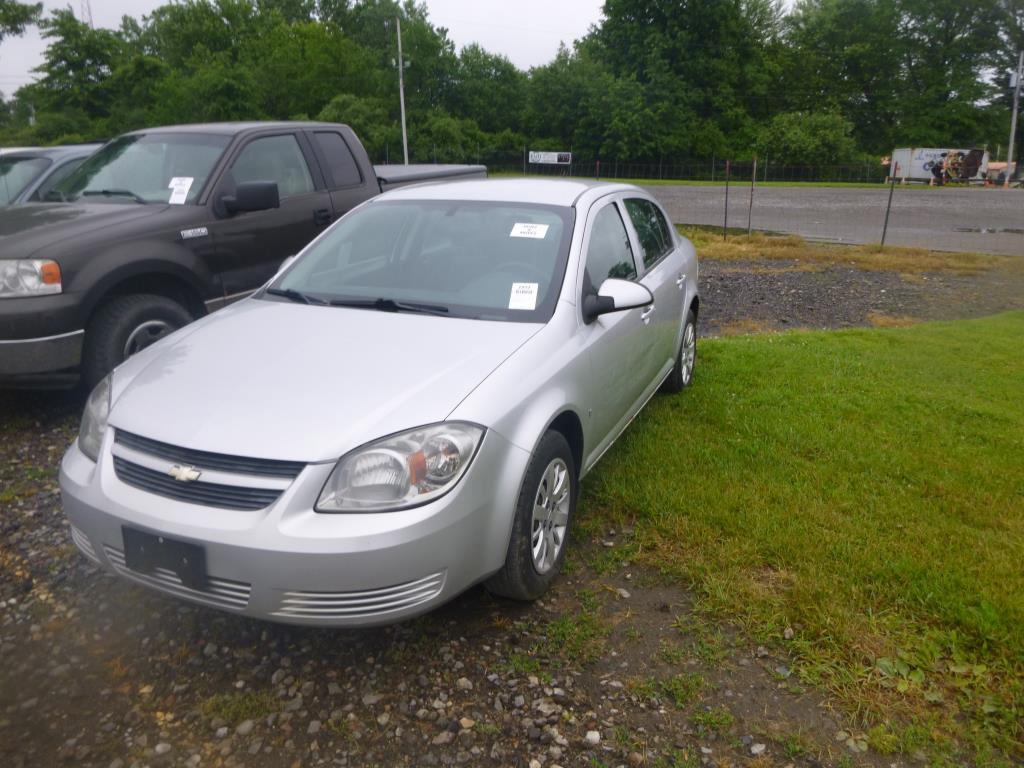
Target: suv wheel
<point>126,325</point>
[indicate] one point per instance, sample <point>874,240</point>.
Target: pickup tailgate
<point>392,176</point>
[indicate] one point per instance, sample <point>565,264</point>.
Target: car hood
<point>305,383</point>
<point>27,229</point>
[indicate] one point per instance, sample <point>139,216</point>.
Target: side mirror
<point>253,196</point>
<point>615,295</point>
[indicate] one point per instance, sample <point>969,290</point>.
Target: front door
<point>251,245</point>
<point>616,341</point>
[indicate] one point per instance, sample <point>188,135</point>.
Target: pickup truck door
<point>663,274</point>
<point>250,246</point>
<point>346,177</point>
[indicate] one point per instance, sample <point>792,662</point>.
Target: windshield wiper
<point>115,193</point>
<point>291,293</point>
<point>390,305</point>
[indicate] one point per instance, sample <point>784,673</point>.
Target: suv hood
<point>27,229</point>
<point>275,380</point>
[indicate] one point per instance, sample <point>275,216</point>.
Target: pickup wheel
<point>540,531</point>
<point>126,325</point>
<point>686,358</point>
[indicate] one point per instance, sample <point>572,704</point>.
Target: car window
<point>479,259</point>
<point>16,173</point>
<point>651,229</point>
<point>274,158</point>
<point>158,167</point>
<point>340,162</point>
<point>608,253</point>
<point>55,177</point>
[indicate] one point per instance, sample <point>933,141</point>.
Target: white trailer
<point>918,163</point>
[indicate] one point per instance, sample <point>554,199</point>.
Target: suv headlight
<point>94,420</point>
<point>401,471</point>
<point>29,277</point>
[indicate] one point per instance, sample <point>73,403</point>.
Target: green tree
<point>16,17</point>
<point>488,89</point>
<point>800,138</point>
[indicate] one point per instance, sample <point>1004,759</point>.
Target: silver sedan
<point>404,410</point>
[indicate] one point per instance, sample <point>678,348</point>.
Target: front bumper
<point>288,563</point>
<point>26,358</point>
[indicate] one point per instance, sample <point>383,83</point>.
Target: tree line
<point>828,81</point>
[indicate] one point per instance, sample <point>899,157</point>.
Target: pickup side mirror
<point>615,295</point>
<point>252,196</point>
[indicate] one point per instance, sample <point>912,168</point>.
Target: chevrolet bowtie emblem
<point>184,474</point>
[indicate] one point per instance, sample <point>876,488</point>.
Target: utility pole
<point>1018,76</point>
<point>86,13</point>
<point>401,90</point>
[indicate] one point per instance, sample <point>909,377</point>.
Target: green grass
<point>235,707</point>
<point>718,182</point>
<point>866,488</point>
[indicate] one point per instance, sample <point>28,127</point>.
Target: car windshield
<point>487,260</point>
<point>145,168</point>
<point>16,173</point>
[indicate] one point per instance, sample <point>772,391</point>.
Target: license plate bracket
<point>145,552</point>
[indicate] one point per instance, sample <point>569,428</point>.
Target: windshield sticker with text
<point>524,296</point>
<point>536,231</point>
<point>179,186</point>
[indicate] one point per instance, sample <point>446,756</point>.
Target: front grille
<point>219,593</point>
<point>198,492</point>
<point>362,604</point>
<point>206,460</point>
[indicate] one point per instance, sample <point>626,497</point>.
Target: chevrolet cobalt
<point>406,409</point>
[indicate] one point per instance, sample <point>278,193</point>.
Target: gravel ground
<point>613,668</point>
<point>948,219</point>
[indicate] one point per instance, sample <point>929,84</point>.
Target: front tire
<point>126,325</point>
<point>686,358</point>
<point>540,532</point>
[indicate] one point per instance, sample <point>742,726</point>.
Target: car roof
<point>67,150</point>
<point>561,192</point>
<point>233,128</point>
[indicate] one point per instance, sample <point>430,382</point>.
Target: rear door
<point>344,178</point>
<point>251,245</point>
<point>663,275</point>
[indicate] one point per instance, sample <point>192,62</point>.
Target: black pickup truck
<point>163,225</point>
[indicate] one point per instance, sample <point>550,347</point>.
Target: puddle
<point>991,230</point>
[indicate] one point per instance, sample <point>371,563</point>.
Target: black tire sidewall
<point>519,578</point>
<point>111,325</point>
<point>675,383</point>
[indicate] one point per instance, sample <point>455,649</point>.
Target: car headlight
<point>29,277</point>
<point>94,420</point>
<point>401,471</point>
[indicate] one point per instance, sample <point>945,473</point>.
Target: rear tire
<point>123,326</point>
<point>686,358</point>
<point>540,531</point>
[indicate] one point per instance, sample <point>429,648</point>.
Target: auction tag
<point>524,296</point>
<point>179,186</point>
<point>536,231</point>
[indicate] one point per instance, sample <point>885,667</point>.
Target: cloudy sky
<point>527,31</point>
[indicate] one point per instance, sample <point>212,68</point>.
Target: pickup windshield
<point>486,260</point>
<point>145,168</point>
<point>16,173</point>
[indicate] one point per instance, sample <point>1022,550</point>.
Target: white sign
<point>551,158</point>
<point>523,296</point>
<point>535,231</point>
<point>919,162</point>
<point>179,186</point>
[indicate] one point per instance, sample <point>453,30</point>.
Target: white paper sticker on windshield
<point>179,186</point>
<point>536,231</point>
<point>524,296</point>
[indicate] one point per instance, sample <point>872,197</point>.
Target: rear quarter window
<point>341,165</point>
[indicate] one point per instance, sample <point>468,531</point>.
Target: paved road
<point>980,220</point>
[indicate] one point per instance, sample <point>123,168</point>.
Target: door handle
<point>681,281</point>
<point>322,216</point>
<point>646,314</point>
